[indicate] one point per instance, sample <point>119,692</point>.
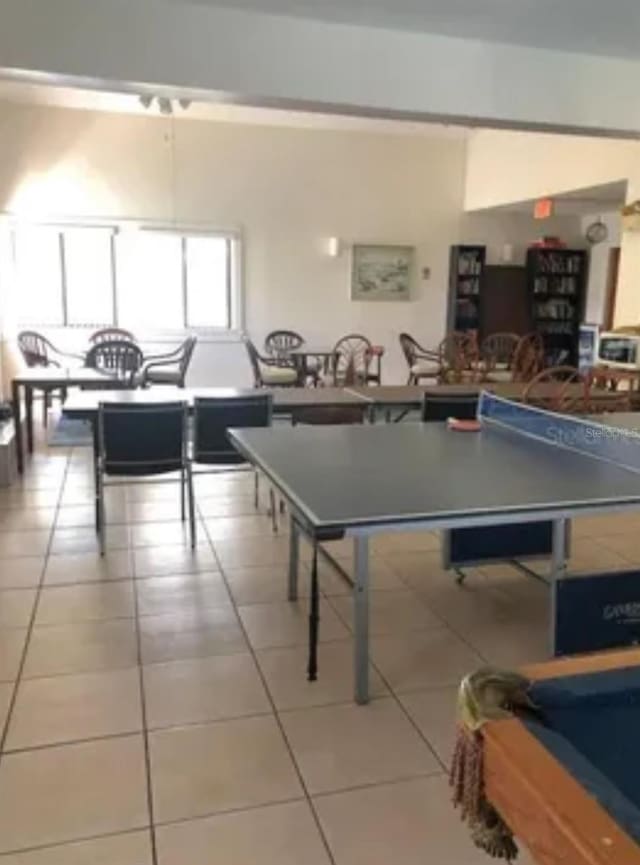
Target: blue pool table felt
<point>591,724</point>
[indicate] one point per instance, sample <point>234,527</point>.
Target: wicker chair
<point>497,355</point>
<point>624,383</point>
<point>459,358</point>
<point>528,357</point>
<point>169,368</point>
<point>279,343</point>
<point>107,334</point>
<point>117,357</point>
<point>422,362</point>
<point>268,372</point>
<point>355,361</point>
<point>559,388</point>
<point>37,350</point>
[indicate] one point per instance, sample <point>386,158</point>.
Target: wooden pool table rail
<point>547,810</point>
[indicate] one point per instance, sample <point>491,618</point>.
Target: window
<point>208,270</point>
<point>137,279</point>
<point>39,295</point>
<point>87,275</point>
<point>149,279</point>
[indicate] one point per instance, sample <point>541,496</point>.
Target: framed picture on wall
<point>381,272</point>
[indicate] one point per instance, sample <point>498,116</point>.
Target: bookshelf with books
<point>466,277</point>
<point>557,280</point>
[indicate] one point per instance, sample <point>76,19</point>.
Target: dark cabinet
<point>466,278</point>
<point>557,281</point>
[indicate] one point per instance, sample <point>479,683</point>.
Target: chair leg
<point>183,481</point>
<point>102,516</point>
<point>274,512</point>
<point>256,489</point>
<point>192,507</point>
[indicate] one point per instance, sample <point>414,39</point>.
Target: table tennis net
<point>620,446</point>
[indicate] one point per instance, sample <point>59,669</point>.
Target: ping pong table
<point>525,465</point>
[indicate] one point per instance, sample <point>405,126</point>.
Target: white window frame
<point>185,230</point>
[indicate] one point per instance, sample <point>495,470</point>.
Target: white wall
<point>518,230</point>
<point>287,190</point>
<point>278,58</point>
<point>599,264</point>
<point>504,167</point>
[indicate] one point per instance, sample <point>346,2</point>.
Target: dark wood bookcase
<point>557,283</point>
<point>466,278</point>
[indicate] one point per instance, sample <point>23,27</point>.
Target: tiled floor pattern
<point>154,705</point>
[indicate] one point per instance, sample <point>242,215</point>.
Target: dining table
<point>44,378</point>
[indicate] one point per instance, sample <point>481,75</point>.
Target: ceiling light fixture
<point>164,104</point>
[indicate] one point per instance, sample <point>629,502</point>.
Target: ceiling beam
<point>288,62</point>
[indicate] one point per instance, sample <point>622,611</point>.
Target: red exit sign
<point>543,208</point>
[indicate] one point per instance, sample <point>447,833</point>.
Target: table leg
<point>294,558</point>
<point>314,618</point>
<point>17,422</point>
<point>28,414</point>
<point>96,479</point>
<point>558,571</point>
<point>301,371</point>
<point>361,617</point>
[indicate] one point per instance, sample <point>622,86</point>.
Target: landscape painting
<point>381,272</point>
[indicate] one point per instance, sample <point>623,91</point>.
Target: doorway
<point>505,301</point>
<point>613,268</point>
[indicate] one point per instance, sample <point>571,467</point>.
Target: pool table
<point>568,784</point>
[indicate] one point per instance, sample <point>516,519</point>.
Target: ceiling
<point>129,103</point>
<point>590,26</point>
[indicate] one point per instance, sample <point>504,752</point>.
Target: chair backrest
<point>35,348</point>
<point>254,360</point>
<point>279,343</point>
<point>352,356</point>
<point>410,348</point>
<point>186,353</point>
<point>213,417</point>
<point>528,357</point>
<point>142,439</point>
<point>560,388</point>
<point>107,334</point>
<point>620,385</point>
<point>458,350</point>
<point>120,358</point>
<point>499,348</point>
<point>321,415</point>
<point>440,407</point>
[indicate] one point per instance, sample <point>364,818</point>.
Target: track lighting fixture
<point>164,104</point>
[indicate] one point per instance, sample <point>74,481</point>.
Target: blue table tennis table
<point>525,465</point>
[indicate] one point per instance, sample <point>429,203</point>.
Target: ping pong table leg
<point>361,617</point>
<point>294,558</point>
<point>558,570</point>
<point>17,422</point>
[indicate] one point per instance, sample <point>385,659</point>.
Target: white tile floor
<point>154,707</point>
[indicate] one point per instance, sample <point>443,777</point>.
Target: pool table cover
<point>568,784</point>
